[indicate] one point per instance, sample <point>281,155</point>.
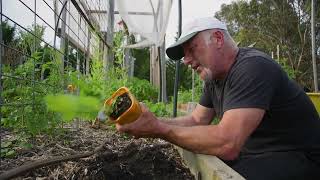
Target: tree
<point>270,23</point>
<point>31,41</point>
<point>10,44</point>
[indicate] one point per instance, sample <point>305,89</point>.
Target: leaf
<point>6,144</point>
<point>4,152</point>
<point>11,153</point>
<point>25,145</point>
<point>71,106</point>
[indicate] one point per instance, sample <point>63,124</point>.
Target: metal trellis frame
<point>81,35</point>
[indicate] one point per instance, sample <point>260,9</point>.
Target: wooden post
<point>163,73</point>
<point>63,44</point>
<point>88,53</point>
<point>109,37</point>
<point>154,66</point>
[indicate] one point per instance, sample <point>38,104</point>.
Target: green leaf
<point>71,106</point>
<point>6,144</point>
<point>10,153</point>
<point>25,145</point>
<point>4,152</point>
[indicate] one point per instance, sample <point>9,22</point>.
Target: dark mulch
<point>122,157</point>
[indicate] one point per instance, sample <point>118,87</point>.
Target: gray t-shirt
<point>291,122</point>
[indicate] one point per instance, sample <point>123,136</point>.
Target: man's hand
<point>147,125</point>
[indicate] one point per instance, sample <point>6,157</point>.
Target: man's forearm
<point>198,139</point>
<point>180,121</point>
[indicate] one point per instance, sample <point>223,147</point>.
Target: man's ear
<point>218,38</point>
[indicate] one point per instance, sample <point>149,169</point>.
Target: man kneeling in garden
<point>269,128</point>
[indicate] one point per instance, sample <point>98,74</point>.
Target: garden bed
<point>121,157</point>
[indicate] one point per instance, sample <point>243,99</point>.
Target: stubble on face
<point>198,59</point>
<point>205,74</point>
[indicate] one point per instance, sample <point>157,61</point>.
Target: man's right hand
<point>147,125</point>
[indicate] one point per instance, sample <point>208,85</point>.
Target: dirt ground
<point>121,157</point>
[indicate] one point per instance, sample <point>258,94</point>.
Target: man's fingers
<point>144,108</point>
<point>121,128</point>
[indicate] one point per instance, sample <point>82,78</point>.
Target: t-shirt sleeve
<point>205,99</point>
<point>252,84</point>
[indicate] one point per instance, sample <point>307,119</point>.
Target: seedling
<point>120,105</point>
<point>117,108</point>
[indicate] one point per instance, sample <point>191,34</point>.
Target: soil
<point>122,157</point>
<point>122,103</point>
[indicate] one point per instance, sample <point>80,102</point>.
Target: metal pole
<point>313,47</point>
<point>176,82</point>
<point>160,75</point>
<point>63,33</point>
<point>33,59</point>
<point>164,81</point>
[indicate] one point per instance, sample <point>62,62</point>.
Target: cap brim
<point>175,51</point>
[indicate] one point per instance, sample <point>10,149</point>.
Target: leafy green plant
<point>39,90</point>
<point>142,89</point>
<point>6,149</point>
<point>11,146</point>
<point>185,96</point>
<point>36,77</point>
<point>160,109</point>
<point>71,106</point>
<point>288,69</point>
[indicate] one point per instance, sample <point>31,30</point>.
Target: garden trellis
<point>44,36</point>
<point>52,37</point>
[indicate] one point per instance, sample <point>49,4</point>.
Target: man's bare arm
<point>224,140</point>
<point>200,116</point>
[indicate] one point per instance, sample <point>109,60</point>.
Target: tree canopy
<point>268,23</point>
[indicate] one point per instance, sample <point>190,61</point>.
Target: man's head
<point>206,46</point>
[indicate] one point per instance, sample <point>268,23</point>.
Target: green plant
<point>185,95</point>
<point>9,147</point>
<point>71,106</point>
<point>288,69</point>
<point>28,42</point>
<point>7,150</point>
<point>160,109</point>
<point>142,89</point>
<point>36,77</point>
<point>39,76</point>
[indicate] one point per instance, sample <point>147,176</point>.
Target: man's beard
<point>208,75</point>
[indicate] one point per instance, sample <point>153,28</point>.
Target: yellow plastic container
<point>131,114</point>
<point>71,88</point>
<point>315,98</point>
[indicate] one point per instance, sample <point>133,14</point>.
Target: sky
<point>190,9</point>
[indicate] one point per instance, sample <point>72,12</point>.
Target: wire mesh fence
<point>40,40</point>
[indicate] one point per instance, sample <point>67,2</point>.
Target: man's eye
<point>192,48</point>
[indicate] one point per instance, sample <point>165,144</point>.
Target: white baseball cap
<point>175,51</point>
